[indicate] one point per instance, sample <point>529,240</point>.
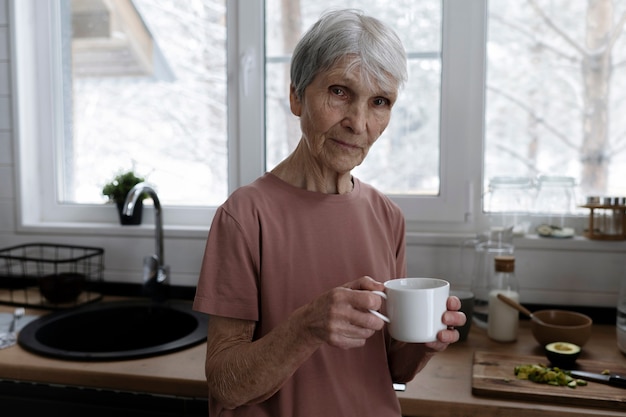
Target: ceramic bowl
<point>561,326</point>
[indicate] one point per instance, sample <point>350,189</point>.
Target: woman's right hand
<point>340,316</point>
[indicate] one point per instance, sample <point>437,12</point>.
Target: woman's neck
<point>301,170</point>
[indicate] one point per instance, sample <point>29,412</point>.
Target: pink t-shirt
<point>272,248</point>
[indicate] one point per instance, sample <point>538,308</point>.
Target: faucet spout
<point>162,272</point>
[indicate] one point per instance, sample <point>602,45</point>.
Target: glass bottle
<point>486,248</point>
<point>621,316</point>
<point>503,320</point>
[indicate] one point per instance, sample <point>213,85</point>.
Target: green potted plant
<point>116,191</point>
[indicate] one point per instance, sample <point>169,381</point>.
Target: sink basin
<point>116,330</point>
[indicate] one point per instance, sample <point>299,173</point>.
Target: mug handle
<point>378,313</point>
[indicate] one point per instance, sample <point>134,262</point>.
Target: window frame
<point>38,112</point>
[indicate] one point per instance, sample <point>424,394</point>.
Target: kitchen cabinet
<point>33,399</point>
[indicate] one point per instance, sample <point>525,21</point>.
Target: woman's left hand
<point>451,318</point>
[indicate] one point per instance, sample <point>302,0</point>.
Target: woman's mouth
<point>345,144</point>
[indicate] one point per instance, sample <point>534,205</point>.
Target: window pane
<point>556,92</point>
<point>405,159</point>
<point>148,91</point>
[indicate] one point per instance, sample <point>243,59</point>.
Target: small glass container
<point>621,316</point>
<point>616,209</point>
<point>508,202</point>
<point>608,216</point>
<point>556,198</point>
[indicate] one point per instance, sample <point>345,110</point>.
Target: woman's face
<point>341,116</point>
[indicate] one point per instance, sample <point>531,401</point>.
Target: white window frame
<point>39,112</point>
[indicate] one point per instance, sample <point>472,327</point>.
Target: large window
<point>556,93</point>
<point>180,91</point>
<point>143,84</point>
<point>147,91</point>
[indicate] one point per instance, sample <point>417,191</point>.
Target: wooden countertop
<point>443,388</point>
<point>179,374</point>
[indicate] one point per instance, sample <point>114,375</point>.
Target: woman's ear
<point>294,101</point>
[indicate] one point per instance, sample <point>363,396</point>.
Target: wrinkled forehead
<point>373,77</point>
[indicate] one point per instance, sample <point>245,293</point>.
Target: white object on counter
<point>503,319</point>
<point>6,318</point>
<point>7,338</point>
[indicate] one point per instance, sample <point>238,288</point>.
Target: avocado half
<point>562,354</point>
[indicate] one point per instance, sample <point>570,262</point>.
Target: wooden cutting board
<point>493,376</point>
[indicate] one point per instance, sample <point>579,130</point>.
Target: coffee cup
<point>414,308</point>
<point>467,307</point>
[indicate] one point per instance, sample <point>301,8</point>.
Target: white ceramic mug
<point>415,308</point>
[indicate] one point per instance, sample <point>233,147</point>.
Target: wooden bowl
<point>561,326</point>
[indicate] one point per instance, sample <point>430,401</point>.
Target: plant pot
<point>135,219</point>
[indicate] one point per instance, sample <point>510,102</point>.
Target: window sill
<point>529,241</point>
<point>111,229</point>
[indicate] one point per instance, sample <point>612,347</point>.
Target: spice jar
<point>621,317</point>
<point>607,218</point>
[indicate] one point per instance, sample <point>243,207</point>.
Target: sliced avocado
<point>562,354</point>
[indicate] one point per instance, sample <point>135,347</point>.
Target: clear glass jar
<point>485,249</point>
<point>509,202</point>
<point>556,198</point>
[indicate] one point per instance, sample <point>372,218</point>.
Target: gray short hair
<point>377,49</point>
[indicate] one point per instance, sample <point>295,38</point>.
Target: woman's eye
<point>338,91</point>
<point>381,101</point>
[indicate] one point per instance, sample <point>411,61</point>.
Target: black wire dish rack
<point>50,276</point>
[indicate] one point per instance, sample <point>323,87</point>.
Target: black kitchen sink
<point>116,330</point>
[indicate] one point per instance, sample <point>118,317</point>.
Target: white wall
<point>568,272</point>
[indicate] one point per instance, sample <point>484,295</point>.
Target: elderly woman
<point>292,258</point>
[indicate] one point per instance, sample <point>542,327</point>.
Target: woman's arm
<point>241,370</point>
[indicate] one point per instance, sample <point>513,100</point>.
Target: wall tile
<point>6,150</point>
<point>6,182</point>
<point>4,43</point>
<point>7,216</point>
<point>5,113</point>
<point>4,12</point>
<point>5,88</point>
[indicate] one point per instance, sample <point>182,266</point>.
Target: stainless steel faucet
<point>154,268</point>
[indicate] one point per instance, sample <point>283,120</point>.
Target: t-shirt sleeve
<point>228,285</point>
<point>401,266</point>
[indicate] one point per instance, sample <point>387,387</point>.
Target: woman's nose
<point>356,118</point>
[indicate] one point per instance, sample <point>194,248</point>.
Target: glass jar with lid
<point>508,203</point>
<point>556,199</point>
